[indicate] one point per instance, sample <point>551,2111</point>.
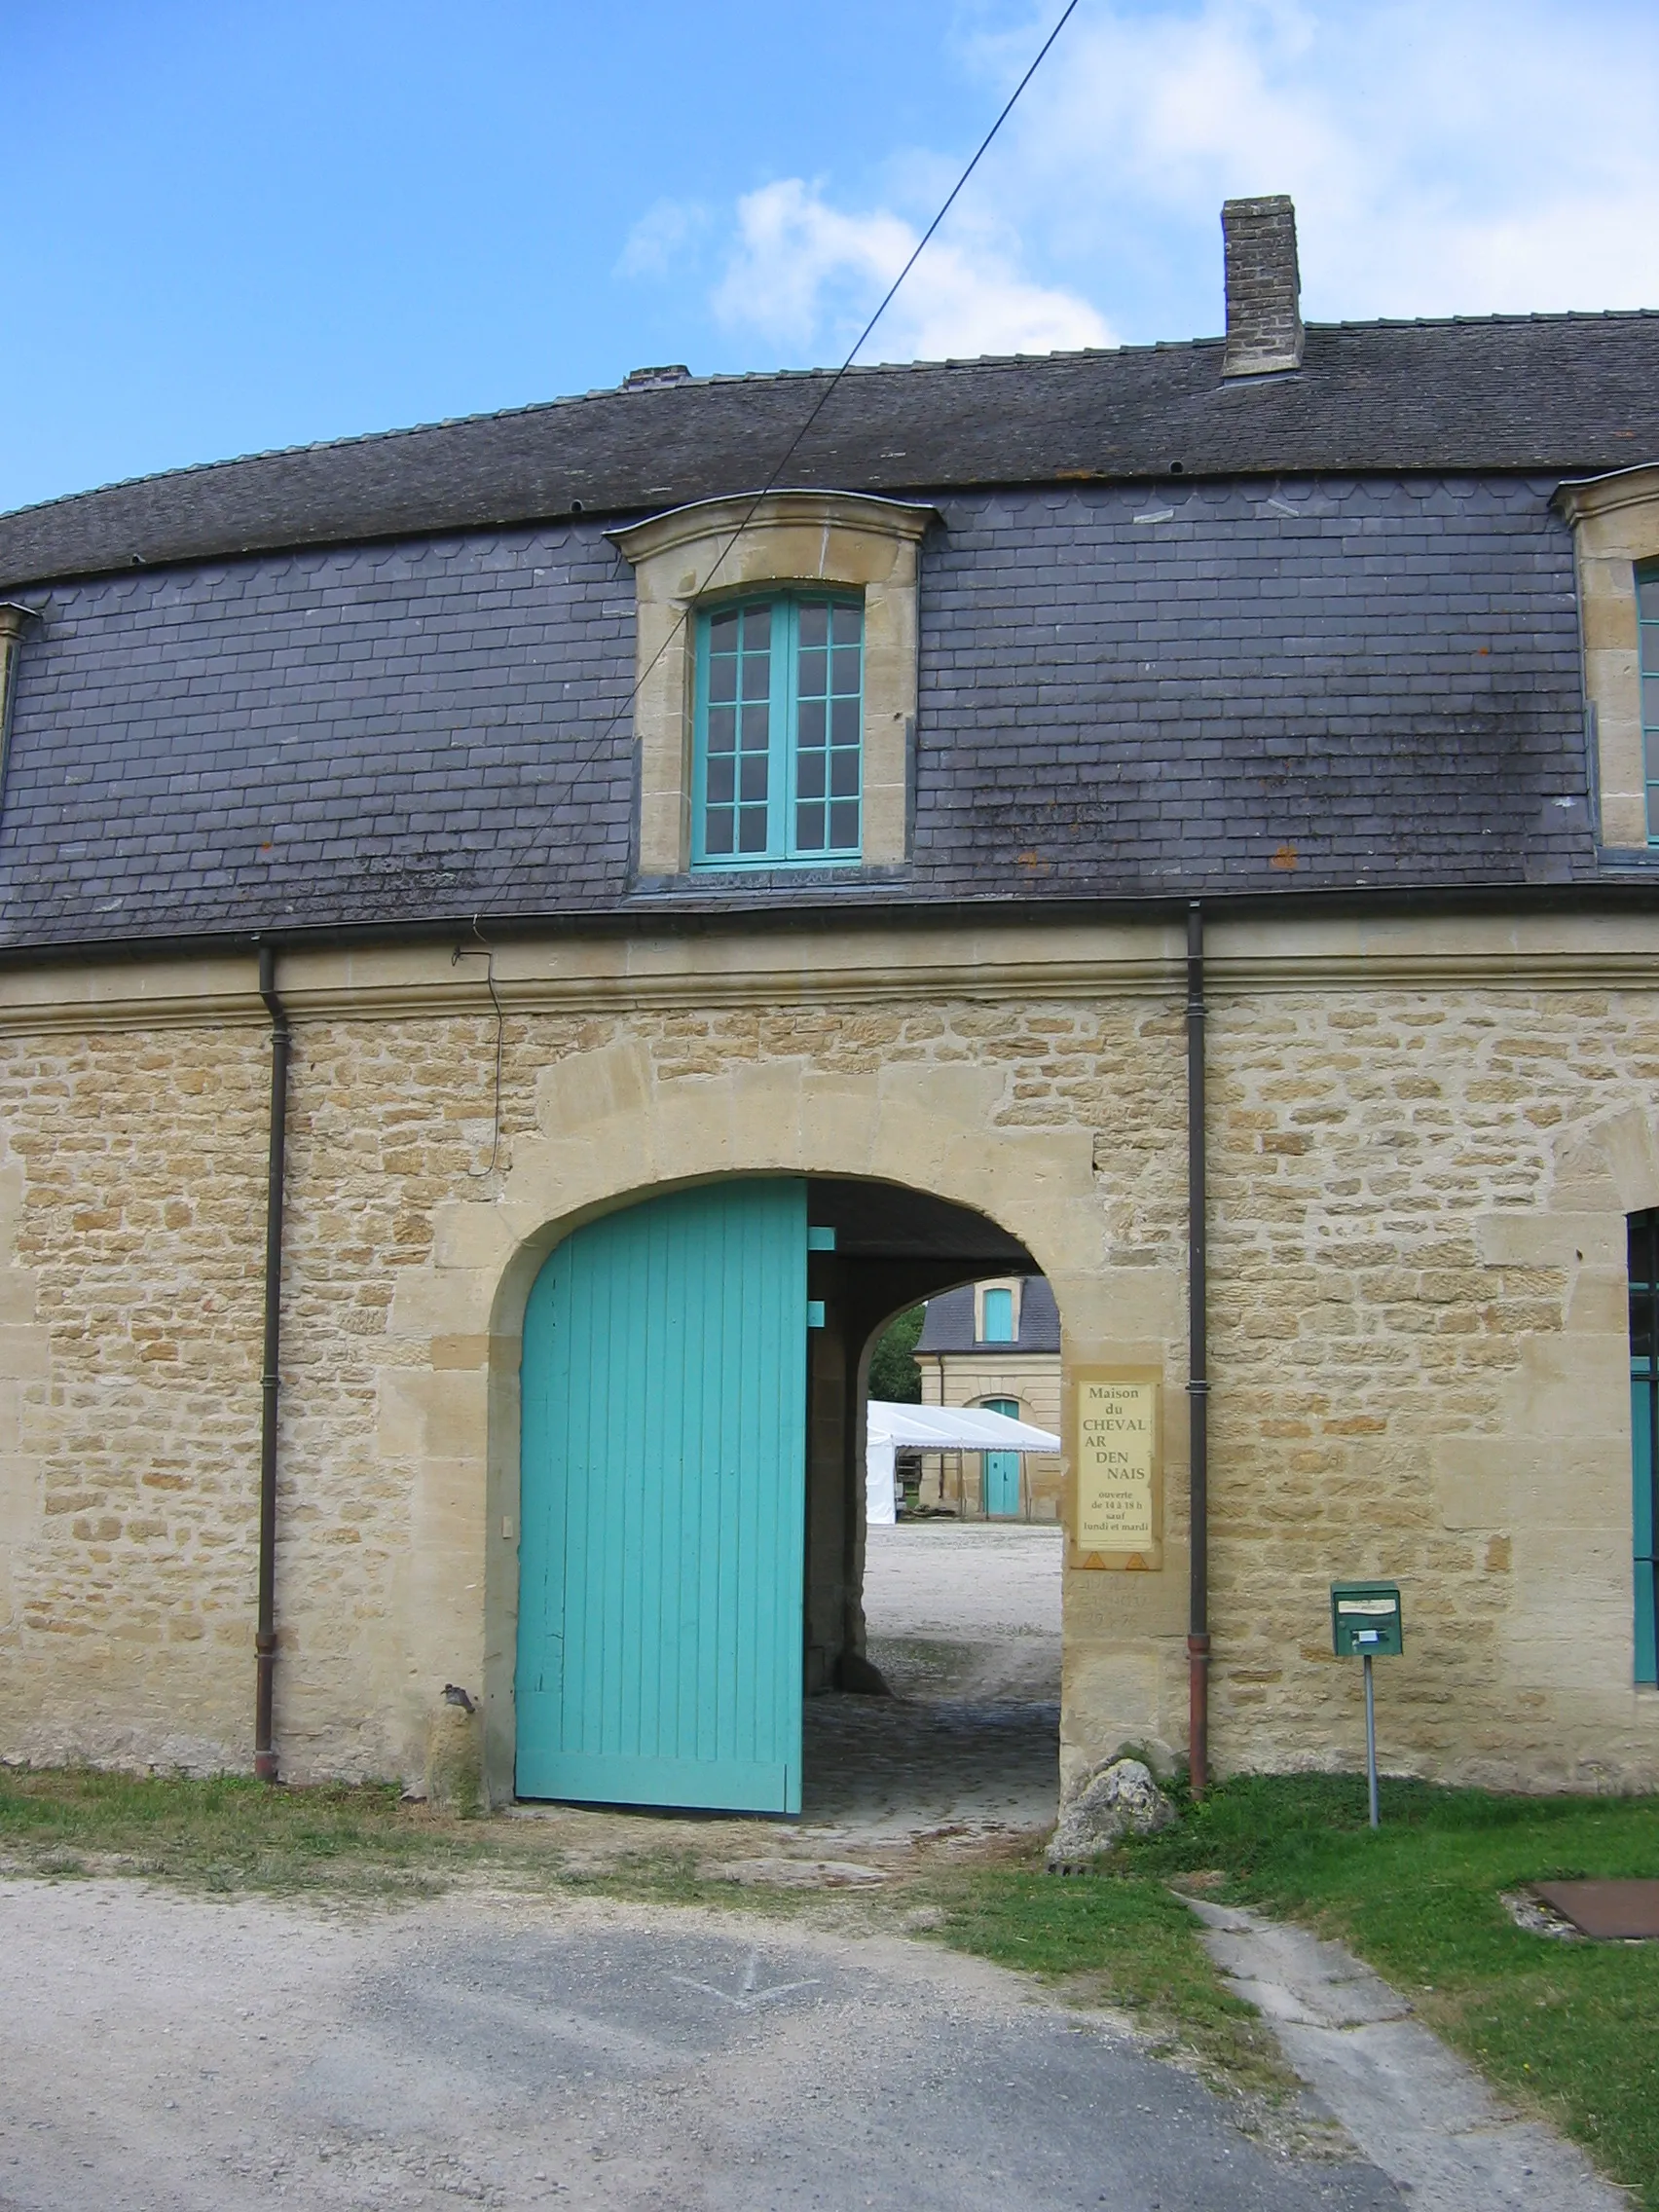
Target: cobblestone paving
<point>963,1621</point>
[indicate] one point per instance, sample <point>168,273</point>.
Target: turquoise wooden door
<point>1001,1468</point>
<point>662,1507</point>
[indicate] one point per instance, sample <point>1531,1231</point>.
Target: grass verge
<point>1570,2029</point>
<point>1119,1940</point>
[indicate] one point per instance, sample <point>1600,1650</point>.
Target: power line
<point>798,440</point>
<point>770,485</point>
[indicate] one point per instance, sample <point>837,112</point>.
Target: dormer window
<point>779,741</point>
<point>997,1312</point>
<point>775,694</point>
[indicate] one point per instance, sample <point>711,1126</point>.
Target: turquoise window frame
<point>1644,1437</point>
<point>1647,678</point>
<point>1003,1309</point>
<point>792,753</point>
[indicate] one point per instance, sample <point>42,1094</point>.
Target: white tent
<point>936,1428</point>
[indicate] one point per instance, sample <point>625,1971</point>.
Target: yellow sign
<point>1116,1492</point>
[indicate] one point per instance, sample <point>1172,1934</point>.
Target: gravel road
<point>161,2053</point>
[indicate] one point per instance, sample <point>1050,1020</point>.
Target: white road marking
<point>749,1997</point>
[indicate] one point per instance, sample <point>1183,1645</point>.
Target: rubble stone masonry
<point>1423,1143</point>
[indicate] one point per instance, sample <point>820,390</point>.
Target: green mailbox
<point>1366,1621</point>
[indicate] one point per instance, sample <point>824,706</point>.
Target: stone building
<point>620,918</point>
<point>997,1345</point>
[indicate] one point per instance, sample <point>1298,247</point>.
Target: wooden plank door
<point>663,1505</point>
<point>1001,1468</point>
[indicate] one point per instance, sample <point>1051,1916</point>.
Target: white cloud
<point>661,237</point>
<point>1446,156</point>
<point>802,271</point>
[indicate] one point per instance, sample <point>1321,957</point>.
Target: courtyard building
<point>522,951</point>
<point>995,1344</point>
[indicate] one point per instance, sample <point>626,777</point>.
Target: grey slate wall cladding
<point>1359,680</point>
<point>1385,678</point>
<point>323,736</point>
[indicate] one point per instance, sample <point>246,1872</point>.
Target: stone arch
<point>609,1133</point>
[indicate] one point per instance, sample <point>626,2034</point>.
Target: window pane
<point>814,669</point>
<point>736,785</point>
<point>848,625</point>
<point>844,826</point>
<point>1641,1332</point>
<point>1642,1247</point>
<point>809,776</point>
<point>811,722</point>
<point>1647,596</point>
<point>809,828</point>
<point>845,659</point>
<point>844,722</point>
<point>814,623</point>
<point>844,775</point>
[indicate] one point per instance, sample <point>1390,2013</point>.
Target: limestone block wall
<point>1425,1142</point>
<point>131,1231</point>
<point>1420,1356</point>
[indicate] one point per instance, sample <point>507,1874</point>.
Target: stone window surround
<point>12,618</point>
<point>1615,529</point>
<point>697,555</point>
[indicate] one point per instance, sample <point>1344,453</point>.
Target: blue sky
<point>234,225</point>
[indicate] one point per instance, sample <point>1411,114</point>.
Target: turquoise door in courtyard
<point>1001,1468</point>
<point>662,1506</point>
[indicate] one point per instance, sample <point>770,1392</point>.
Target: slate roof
<point>949,1323</point>
<point>1567,394</point>
<point>1315,632</point>
<point>1215,688</point>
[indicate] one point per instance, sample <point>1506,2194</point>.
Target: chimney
<point>1263,286</point>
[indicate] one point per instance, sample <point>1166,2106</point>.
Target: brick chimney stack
<point>1263,286</point>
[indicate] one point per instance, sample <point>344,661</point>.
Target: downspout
<point>265,1636</point>
<point>1198,1365</point>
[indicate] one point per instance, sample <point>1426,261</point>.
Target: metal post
<point>1371,1738</point>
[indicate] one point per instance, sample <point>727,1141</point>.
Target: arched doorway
<point>692,1480</point>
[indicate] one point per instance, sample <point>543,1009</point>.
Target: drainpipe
<point>1198,1365</point>
<point>265,1637</point>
